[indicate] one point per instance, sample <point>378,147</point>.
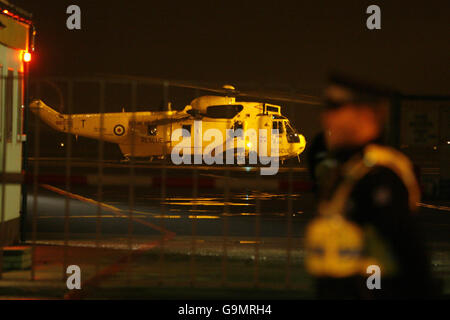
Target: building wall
<point>13,40</point>
<point>14,34</point>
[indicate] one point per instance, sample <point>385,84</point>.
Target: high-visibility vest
<point>338,247</point>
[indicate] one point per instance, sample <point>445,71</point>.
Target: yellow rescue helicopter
<point>151,135</point>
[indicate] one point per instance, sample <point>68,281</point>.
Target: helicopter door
<point>196,139</point>
<point>279,124</point>
<point>238,128</point>
<point>187,133</point>
<point>238,125</point>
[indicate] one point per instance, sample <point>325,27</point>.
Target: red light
<point>15,16</point>
<point>26,56</point>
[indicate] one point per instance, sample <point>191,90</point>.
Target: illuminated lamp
<point>26,56</point>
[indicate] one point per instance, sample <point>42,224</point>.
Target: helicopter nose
<point>302,144</point>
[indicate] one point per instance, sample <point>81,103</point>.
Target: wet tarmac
<point>243,221</point>
<point>189,212</point>
<point>248,213</point>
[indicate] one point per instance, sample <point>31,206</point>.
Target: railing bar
<point>35,188</point>
<point>25,153</point>
<point>3,140</point>
<point>194,228</point>
<point>225,228</point>
<point>257,237</point>
<point>101,143</point>
<point>131,191</point>
<point>163,223</point>
<point>289,232</point>
<point>68,173</point>
<point>162,272</point>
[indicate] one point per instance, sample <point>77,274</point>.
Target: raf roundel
<point>119,130</point>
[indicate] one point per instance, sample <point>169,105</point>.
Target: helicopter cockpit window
<point>281,127</point>
<point>275,125</point>
<point>151,130</point>
<point>273,109</point>
<point>278,125</point>
<point>186,127</point>
<point>292,136</point>
<point>227,111</point>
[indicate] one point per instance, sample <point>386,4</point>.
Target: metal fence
<point>61,167</point>
<point>137,226</point>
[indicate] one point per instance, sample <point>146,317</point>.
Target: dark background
<point>295,43</point>
<point>279,44</point>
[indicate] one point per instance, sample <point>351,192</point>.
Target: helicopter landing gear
<point>298,158</point>
<point>126,159</point>
<point>156,158</point>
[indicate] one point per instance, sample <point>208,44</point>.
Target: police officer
<point>364,243</point>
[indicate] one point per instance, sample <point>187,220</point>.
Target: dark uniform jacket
<point>379,200</point>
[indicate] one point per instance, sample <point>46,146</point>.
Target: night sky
<point>296,43</point>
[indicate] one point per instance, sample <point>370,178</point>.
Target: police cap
<point>343,90</point>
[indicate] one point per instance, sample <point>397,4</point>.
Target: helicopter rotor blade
<point>275,96</point>
<point>172,83</point>
<point>296,98</point>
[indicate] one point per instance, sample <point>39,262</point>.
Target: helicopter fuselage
<point>151,134</point>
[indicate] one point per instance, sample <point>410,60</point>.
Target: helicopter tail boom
<point>50,116</point>
<point>85,125</point>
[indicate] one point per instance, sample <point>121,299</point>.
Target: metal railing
<point>146,224</point>
<point>67,171</point>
